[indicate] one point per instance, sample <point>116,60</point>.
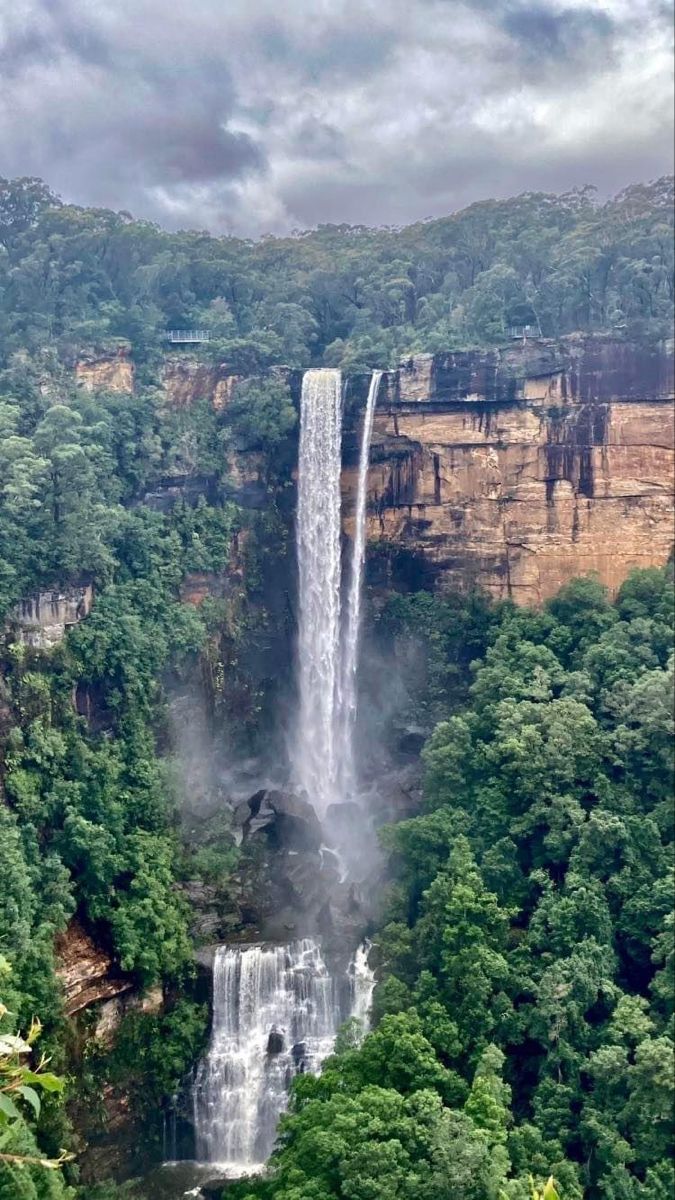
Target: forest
<point>523,1017</point>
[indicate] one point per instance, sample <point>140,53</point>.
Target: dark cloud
<point>574,34</point>
<point>251,116</point>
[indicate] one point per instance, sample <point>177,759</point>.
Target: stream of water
<point>277,1009</point>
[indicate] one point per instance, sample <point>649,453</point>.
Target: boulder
<point>289,820</point>
<point>275,1041</point>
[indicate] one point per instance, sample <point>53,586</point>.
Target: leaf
<point>31,1097</point>
<point>8,1108</point>
<point>47,1081</point>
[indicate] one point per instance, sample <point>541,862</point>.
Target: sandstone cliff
<point>518,469</point>
<point>41,620</point>
<point>106,371</point>
<point>514,469</point>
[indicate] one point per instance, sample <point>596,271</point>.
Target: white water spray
<point>276,1009</point>
<point>323,758</point>
<point>362,980</point>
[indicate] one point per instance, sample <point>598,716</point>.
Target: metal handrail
<point>188,335</point>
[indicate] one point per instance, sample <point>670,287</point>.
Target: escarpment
<point>516,470</point>
<point>511,469</point>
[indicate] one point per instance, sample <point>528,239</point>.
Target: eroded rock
<point>41,620</point>
<point>518,468</point>
<point>86,971</point>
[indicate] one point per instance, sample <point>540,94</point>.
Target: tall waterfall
<point>318,545</point>
<point>327,654</point>
<point>276,1010</point>
<point>352,627</point>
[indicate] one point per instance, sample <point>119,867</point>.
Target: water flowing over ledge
<point>276,1012</point>
<point>328,647</point>
<point>314,754</point>
<point>352,626</point>
<point>277,1008</point>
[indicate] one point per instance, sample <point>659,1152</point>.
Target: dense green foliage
<point>87,806</point>
<point>340,295</point>
<point>524,1003</point>
<point>25,1174</point>
<point>525,1011</point>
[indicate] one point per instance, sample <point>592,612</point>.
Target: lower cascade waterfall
<point>276,1011</point>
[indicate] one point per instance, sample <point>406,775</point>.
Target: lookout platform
<point>184,337</point>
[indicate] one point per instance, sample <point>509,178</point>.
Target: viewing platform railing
<point>188,335</point>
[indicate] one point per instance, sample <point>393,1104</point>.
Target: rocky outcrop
<point>518,469</point>
<point>86,971</point>
<point>41,620</point>
<point>110,1012</point>
<point>109,371</point>
<point>186,381</point>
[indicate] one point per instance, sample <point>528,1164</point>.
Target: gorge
<point>349,625</point>
<point>277,1008</point>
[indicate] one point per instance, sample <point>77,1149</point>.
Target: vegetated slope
<point>88,821</point>
<point>87,807</point>
<point>524,1018</point>
<point>339,295</point>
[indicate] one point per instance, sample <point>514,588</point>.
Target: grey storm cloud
<point>253,116</point>
<point>567,36</point>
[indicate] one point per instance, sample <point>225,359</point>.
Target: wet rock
<point>299,827</point>
<point>263,816</point>
<point>410,741</point>
<point>299,1054</point>
<point>289,820</point>
<point>275,1041</point>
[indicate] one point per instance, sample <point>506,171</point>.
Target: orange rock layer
<point>521,485</point>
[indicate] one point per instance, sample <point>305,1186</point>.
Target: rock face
<point>513,469</point>
<point>518,469</point>
<point>86,971</point>
<point>106,372</point>
<point>41,620</point>
<point>186,380</point>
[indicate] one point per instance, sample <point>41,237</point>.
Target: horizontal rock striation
<point>518,469</point>
<point>41,620</point>
<point>85,970</point>
<point>513,469</point>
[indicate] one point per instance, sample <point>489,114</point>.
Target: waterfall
<point>352,628</point>
<point>315,753</point>
<point>362,985</point>
<point>276,1011</point>
<point>327,655</point>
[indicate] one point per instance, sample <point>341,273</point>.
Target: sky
<point>257,116</point>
